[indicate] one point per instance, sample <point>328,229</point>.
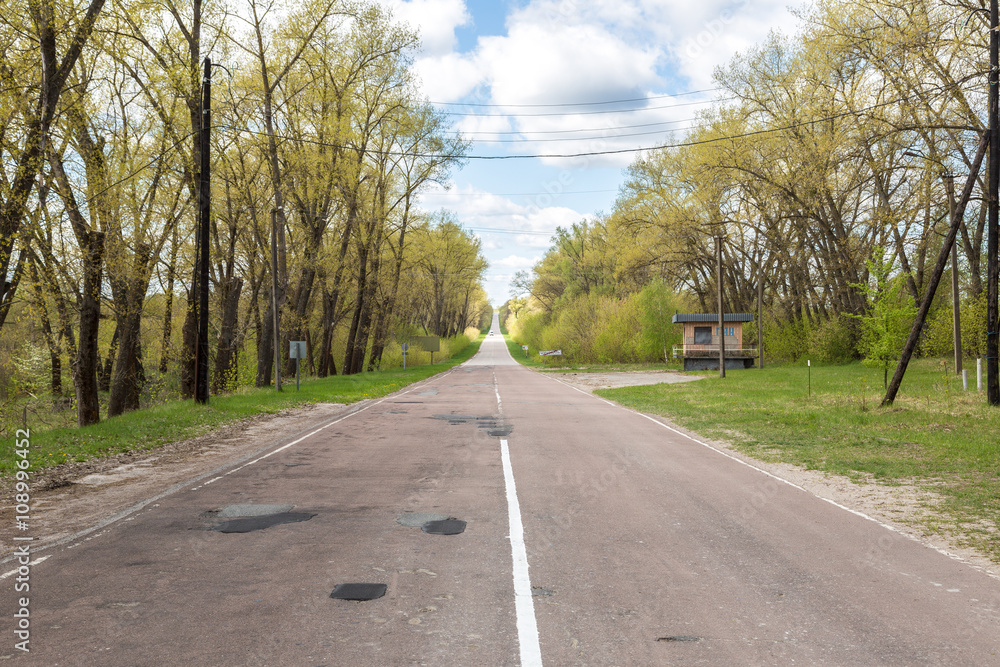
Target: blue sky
<point>546,77</point>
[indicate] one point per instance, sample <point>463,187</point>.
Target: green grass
<point>935,436</point>
<point>178,420</point>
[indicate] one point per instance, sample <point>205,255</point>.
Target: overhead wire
<point>576,104</point>
<point>624,151</point>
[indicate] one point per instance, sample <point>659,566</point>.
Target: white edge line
<point>862,515</point>
<point>524,604</point>
<point>32,564</point>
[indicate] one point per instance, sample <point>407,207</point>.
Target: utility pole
<point>949,185</point>
<point>274,298</point>
<point>760,318</point>
<point>992,319</point>
<point>722,316</point>
<point>204,209</point>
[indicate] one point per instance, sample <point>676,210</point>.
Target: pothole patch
<point>444,527</point>
<point>418,519</point>
<point>248,510</point>
<point>358,592</point>
<point>250,524</point>
<point>678,638</point>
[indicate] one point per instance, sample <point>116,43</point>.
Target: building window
<point>703,335</point>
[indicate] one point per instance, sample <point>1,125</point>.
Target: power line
<point>514,194</point>
<point>581,113</point>
<point>590,129</point>
<point>597,138</point>
<point>576,104</point>
<point>619,151</point>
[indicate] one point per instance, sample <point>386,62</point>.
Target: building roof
<point>703,317</point>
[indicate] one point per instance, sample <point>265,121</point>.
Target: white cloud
<point>535,64</point>
<point>435,19</point>
<point>447,77</point>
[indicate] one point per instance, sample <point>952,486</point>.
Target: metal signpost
<point>297,350</point>
<point>406,348</point>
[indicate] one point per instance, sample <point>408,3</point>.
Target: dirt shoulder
<point>78,496</point>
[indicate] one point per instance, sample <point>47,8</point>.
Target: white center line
<point>524,605</point>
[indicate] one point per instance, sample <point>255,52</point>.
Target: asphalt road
<point>594,536</point>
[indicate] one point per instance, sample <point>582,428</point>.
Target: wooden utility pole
<point>949,184</point>
<point>760,319</point>
<point>274,298</point>
<point>722,316</point>
<point>204,210</point>
<point>992,379</point>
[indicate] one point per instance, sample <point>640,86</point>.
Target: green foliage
<point>834,341</point>
<point>595,328</point>
<point>887,324</point>
<point>785,341</point>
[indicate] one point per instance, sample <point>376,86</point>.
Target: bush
<point>834,341</point>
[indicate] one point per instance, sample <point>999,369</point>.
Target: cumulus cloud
<point>435,19</point>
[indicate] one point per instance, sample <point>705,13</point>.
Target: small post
<point>809,365</point>
<point>296,373</point>
<point>979,374</point>
<point>965,380</point>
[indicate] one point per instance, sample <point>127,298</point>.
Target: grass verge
<point>936,436</point>
<point>178,420</point>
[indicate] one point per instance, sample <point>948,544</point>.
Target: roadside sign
<point>428,343</point>
<point>524,347</point>
<point>297,349</point>
<point>550,353</point>
<point>406,347</point>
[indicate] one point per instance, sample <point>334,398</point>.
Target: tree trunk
<point>128,380</point>
<point>225,356</point>
<point>265,346</point>
<point>105,369</point>
<point>168,308</point>
<point>88,410</point>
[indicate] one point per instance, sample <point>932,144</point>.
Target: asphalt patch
<point>246,510</point>
<point>358,592</point>
<point>251,524</point>
<point>444,527</point>
<point>678,638</point>
<point>418,519</point>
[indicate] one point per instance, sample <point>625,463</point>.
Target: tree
<point>889,315</point>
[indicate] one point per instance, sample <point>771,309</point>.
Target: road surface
<point>594,536</point>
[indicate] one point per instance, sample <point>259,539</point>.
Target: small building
<point>700,350</point>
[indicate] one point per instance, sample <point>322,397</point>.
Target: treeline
<point>825,152</point>
<point>317,126</point>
